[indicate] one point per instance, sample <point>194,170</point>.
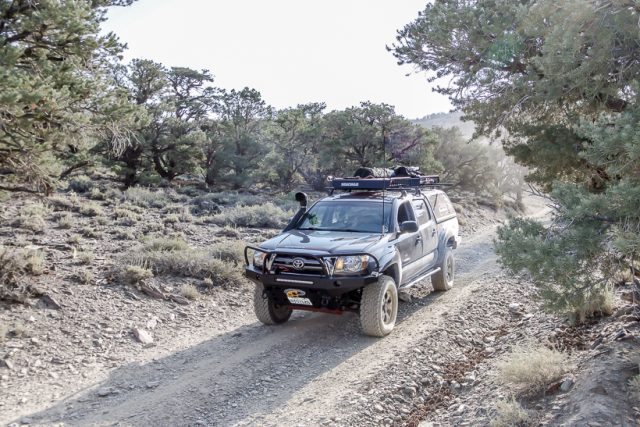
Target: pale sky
<point>292,51</point>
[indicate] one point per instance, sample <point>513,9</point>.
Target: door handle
<point>418,240</point>
<point>433,232</point>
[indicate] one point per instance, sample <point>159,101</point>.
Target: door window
<point>421,211</point>
<point>405,213</point>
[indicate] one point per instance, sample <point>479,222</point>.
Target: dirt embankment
<point>210,363</point>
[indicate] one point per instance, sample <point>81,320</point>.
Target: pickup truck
<point>354,251</point>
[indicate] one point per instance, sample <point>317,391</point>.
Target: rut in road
<point>258,374</point>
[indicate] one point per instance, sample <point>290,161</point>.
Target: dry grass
<point>189,291</point>
<point>229,250</point>
<point>171,219</point>
<point>91,233</point>
<point>97,194</point>
<point>4,331</point>
<point>511,414</point>
<point>125,216</point>
<point>31,217</point>
<point>125,235</point>
<point>20,330</point>
<point>81,184</point>
<point>533,367</point>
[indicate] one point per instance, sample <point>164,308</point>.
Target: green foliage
<point>55,95</point>
<point>559,82</point>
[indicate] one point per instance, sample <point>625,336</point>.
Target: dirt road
<point>309,371</point>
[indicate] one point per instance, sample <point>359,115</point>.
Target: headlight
<point>351,264</point>
<point>258,259</point>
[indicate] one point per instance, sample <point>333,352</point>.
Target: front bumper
<point>332,286</point>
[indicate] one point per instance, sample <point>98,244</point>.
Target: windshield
<point>363,217</point>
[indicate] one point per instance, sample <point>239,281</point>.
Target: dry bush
<point>85,257</point>
<point>634,388</point>
<point>125,235</point>
<point>145,198</point>
<point>85,277</point>
<point>185,216</point>
<point>91,233</point>
<point>511,414</point>
<point>125,216</point>
<point>80,184</point>
<point>171,219</point>
<point>15,266</point>
<point>229,231</point>
<point>134,274</point>
<point>193,263</point>
<point>91,209</point>
<point>533,367</point>
<point>189,291</point>
<point>172,243</point>
<point>31,217</point>
<point>74,239</point>
<point>20,330</point>
<point>229,250</point>
<point>266,215</point>
<point>599,304</point>
<point>97,194</point>
<point>65,220</point>
<point>62,203</point>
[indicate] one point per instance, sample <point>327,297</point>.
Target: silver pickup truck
<point>354,251</point>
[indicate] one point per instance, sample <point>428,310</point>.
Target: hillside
<point>447,120</point>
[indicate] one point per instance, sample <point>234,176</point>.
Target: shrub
<point>229,231</point>
<point>91,209</point>
<point>511,414</point>
<point>145,197</point>
<point>97,194</point>
<point>65,220</point>
<point>85,277</point>
<point>125,235</point>
<point>80,184</point>
<point>15,265</point>
<point>166,244</point>
<point>634,389</point>
<point>31,217</point>
<point>85,257</point>
<point>189,291</point>
<point>134,274</point>
<point>125,216</point>
<point>595,304</point>
<point>262,216</point>
<point>62,203</point>
<point>193,263</point>
<point>74,239</point>
<point>229,250</point>
<point>171,219</point>
<point>533,367</point>
<point>91,233</point>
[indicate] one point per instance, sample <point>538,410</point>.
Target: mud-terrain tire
<point>379,307</point>
<point>443,279</point>
<point>266,310</point>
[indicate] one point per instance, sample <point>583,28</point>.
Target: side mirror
<point>409,227</point>
<point>302,199</point>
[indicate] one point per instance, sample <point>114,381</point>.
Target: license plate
<point>296,296</point>
<point>300,301</point>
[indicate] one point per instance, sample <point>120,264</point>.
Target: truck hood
<point>323,241</point>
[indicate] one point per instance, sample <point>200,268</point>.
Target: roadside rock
<point>142,336</point>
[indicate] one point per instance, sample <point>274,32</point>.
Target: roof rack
<point>391,183</point>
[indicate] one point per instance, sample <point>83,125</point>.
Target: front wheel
<point>443,279</point>
<point>379,307</point>
<point>266,310</point>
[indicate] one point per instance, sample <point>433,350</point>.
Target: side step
<point>421,278</point>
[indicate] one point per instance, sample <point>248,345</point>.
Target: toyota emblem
<point>298,263</point>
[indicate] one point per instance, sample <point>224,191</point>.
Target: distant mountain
<point>447,120</point>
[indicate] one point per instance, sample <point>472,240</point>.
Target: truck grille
<point>297,264</point>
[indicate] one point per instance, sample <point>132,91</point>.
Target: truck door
<point>409,245</point>
<point>428,233</point>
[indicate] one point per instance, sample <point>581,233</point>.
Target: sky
<point>292,51</point>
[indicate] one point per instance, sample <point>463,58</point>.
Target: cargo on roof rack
<point>399,183</point>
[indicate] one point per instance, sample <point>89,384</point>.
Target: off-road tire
<point>379,307</point>
<point>266,310</point>
<point>443,279</point>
